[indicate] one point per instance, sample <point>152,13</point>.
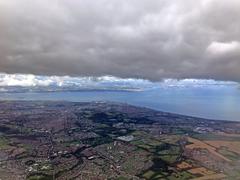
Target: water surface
<point>215,102</point>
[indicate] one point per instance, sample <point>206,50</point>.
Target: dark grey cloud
<point>151,39</point>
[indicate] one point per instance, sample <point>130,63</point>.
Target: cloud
<point>219,48</point>
<point>152,40</point>
<point>29,81</point>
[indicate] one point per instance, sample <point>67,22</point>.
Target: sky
<point>146,39</point>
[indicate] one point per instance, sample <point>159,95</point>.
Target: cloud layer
<point>104,82</point>
<point>18,82</point>
<point>150,39</point>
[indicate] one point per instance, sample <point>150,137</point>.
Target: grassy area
<point>121,178</point>
<point>169,158</point>
<point>129,166</point>
<point>167,152</point>
<point>40,177</point>
<point>154,175</point>
<point>164,153</point>
<point>163,175</point>
<point>233,175</point>
<point>228,154</point>
<point>145,141</point>
<point>97,141</point>
<point>170,139</point>
<point>209,136</point>
<point>3,142</point>
<point>181,175</point>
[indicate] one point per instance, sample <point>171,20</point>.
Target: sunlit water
<point>215,102</point>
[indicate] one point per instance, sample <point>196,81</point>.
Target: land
<point>101,140</point>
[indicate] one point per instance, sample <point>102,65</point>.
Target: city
<point>103,140</point>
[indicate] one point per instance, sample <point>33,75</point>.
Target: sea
<point>212,102</point>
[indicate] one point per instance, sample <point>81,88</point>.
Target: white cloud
<point>104,82</point>
<point>219,48</point>
<point>29,80</point>
<point>23,80</point>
